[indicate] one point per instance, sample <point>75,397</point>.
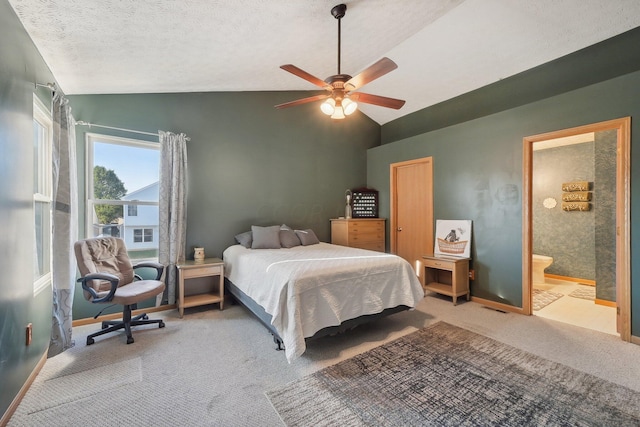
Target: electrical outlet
<point>29,333</point>
<point>472,274</point>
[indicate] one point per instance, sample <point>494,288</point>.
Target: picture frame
<point>453,238</point>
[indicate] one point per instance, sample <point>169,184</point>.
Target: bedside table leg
<point>180,294</point>
<point>221,288</point>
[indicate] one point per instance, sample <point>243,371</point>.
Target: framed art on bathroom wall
<point>453,238</point>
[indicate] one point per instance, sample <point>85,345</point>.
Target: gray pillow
<point>245,239</point>
<point>307,237</point>
<point>288,238</point>
<point>265,237</point>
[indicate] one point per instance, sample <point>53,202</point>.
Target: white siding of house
<point>146,218</point>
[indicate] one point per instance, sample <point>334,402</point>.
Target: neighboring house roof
<point>149,193</point>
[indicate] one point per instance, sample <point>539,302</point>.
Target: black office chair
<point>108,277</point>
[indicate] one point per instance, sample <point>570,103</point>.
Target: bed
<point>310,291</point>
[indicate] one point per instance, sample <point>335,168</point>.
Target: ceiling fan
<point>341,99</point>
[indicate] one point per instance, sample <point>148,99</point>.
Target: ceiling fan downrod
<point>338,12</point>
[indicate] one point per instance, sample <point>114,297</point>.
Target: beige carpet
<point>212,368</point>
<point>67,388</point>
<point>444,375</point>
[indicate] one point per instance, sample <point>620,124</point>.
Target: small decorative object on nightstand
<point>198,254</point>
<point>208,267</point>
<point>447,276</point>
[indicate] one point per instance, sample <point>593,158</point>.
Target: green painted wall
<point>20,67</point>
<point>608,59</point>
<point>478,176</point>
<point>249,164</point>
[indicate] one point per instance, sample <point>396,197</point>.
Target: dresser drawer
<point>366,236</point>
<point>366,226</point>
<point>359,233</point>
<point>372,246</point>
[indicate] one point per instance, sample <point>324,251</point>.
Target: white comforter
<point>308,288</point>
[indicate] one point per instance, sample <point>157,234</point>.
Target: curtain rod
<point>50,86</point>
<point>83,123</point>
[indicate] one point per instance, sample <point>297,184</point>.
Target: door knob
<point>399,228</point>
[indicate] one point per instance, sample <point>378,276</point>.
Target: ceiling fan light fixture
<point>349,106</point>
<point>338,114</point>
<point>328,106</point>
<point>337,103</point>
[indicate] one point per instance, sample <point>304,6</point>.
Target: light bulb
<point>338,113</point>
<point>349,106</point>
<point>328,106</point>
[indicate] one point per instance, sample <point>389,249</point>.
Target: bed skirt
<point>265,318</point>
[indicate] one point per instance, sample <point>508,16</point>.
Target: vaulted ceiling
<point>443,48</point>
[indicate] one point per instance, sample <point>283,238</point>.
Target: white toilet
<point>539,263</point>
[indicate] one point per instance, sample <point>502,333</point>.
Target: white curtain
<point>65,223</point>
<point>173,207</point>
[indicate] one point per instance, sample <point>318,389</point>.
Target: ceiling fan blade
<point>302,101</point>
<point>308,77</point>
<point>382,101</point>
<point>371,73</point>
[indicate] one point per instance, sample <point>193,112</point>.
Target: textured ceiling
<point>443,48</point>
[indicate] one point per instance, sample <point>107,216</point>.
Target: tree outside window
<point>107,186</point>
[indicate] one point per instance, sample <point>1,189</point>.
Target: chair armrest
<point>151,264</point>
<point>112,278</point>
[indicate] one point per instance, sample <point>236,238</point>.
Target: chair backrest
<point>103,255</point>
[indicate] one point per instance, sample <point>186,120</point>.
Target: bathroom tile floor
<point>576,311</point>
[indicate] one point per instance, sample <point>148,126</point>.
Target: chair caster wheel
<point>129,340</point>
<point>161,325</point>
<point>90,341</point>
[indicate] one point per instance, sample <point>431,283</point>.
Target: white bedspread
<point>308,288</point>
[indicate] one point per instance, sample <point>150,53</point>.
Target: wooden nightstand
<point>447,276</point>
<point>210,267</point>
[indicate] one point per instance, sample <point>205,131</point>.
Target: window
<point>42,189</point>
<point>143,235</point>
<point>123,173</point>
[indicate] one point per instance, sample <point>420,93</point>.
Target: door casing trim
<point>623,204</point>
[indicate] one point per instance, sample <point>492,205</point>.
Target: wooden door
<point>411,227</point>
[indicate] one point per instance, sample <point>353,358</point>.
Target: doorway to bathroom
<point>576,234</point>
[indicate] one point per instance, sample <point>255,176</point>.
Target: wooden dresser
<point>363,233</point>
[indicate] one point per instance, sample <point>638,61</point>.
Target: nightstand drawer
<point>204,271</point>
<point>441,264</point>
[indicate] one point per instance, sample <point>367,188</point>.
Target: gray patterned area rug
<point>444,375</point>
<point>541,298</point>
